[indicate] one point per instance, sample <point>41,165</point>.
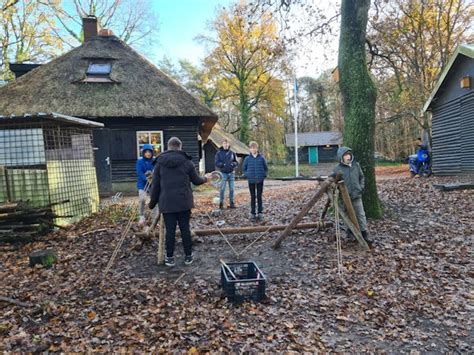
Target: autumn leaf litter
<point>412,292</point>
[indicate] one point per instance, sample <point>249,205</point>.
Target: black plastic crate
<point>248,284</point>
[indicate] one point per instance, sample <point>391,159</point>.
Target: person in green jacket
<point>355,183</point>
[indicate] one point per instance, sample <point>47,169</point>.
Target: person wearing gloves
<point>171,190</point>
<point>355,183</point>
<point>144,168</point>
<point>226,162</point>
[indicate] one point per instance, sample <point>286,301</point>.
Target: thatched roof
<point>218,135</point>
<point>139,88</point>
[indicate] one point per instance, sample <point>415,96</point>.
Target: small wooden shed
<point>315,147</point>
<point>451,104</point>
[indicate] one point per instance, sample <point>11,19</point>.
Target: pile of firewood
<point>20,222</point>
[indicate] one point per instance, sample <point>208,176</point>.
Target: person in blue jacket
<point>144,168</point>
<point>255,170</point>
<point>226,162</point>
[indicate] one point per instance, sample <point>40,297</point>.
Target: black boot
<point>366,237</point>
<point>232,205</point>
<point>221,205</point>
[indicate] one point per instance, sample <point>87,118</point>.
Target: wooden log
<point>352,227</point>
<point>306,208</point>
<point>8,207</point>
<point>13,301</point>
<point>452,187</point>
<point>257,229</point>
<point>348,203</point>
<point>161,242</point>
<point>253,229</point>
<point>325,210</point>
<point>22,237</point>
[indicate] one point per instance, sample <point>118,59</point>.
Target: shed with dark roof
<point>315,147</point>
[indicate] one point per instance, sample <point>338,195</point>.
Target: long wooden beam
<point>251,229</point>
<point>257,229</point>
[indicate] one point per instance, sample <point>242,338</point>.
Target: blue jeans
<point>227,177</point>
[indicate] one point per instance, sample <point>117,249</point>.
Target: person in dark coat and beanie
<point>171,190</point>
<point>226,162</point>
<point>355,182</point>
<point>255,170</point>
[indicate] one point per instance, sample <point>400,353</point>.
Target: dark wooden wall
<point>453,122</point>
<point>327,155</point>
<point>453,136</point>
<point>122,140</point>
<point>451,88</point>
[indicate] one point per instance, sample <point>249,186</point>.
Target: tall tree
<point>26,34</point>
<point>410,42</point>
<point>359,96</point>
<point>247,53</point>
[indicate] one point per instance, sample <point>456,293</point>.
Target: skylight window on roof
<point>99,68</point>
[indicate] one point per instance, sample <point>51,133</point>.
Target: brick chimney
<point>90,27</point>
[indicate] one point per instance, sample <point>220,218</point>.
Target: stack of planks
<point>20,222</point>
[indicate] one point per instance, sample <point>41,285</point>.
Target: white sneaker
<point>141,221</point>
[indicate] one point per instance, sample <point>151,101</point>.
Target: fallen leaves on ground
<point>412,292</point>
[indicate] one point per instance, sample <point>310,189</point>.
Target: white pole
<point>297,171</point>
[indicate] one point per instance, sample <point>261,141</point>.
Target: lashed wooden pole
<point>355,230</point>
<point>306,208</point>
<point>348,203</point>
<point>161,242</point>
<point>248,230</point>
<point>258,229</point>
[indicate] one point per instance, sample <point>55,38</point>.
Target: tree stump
<point>45,257</point>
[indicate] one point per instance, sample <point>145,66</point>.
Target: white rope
<point>222,234</point>
<point>338,233</point>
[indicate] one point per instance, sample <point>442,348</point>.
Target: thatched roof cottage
<point>105,80</point>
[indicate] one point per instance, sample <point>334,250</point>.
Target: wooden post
<point>325,210</point>
<point>355,230</point>
<point>161,242</point>
<point>306,208</point>
<point>348,203</point>
<point>7,183</point>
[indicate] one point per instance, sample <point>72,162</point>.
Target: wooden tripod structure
<point>348,215</point>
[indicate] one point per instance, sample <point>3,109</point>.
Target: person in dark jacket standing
<point>355,183</point>
<point>226,162</point>
<point>144,168</point>
<point>171,190</point>
<point>255,170</point>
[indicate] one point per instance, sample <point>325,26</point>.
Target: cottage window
<point>98,71</point>
<point>154,138</point>
<point>99,68</point>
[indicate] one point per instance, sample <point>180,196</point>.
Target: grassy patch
<point>279,171</point>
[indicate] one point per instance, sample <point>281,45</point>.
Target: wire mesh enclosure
<point>48,159</point>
